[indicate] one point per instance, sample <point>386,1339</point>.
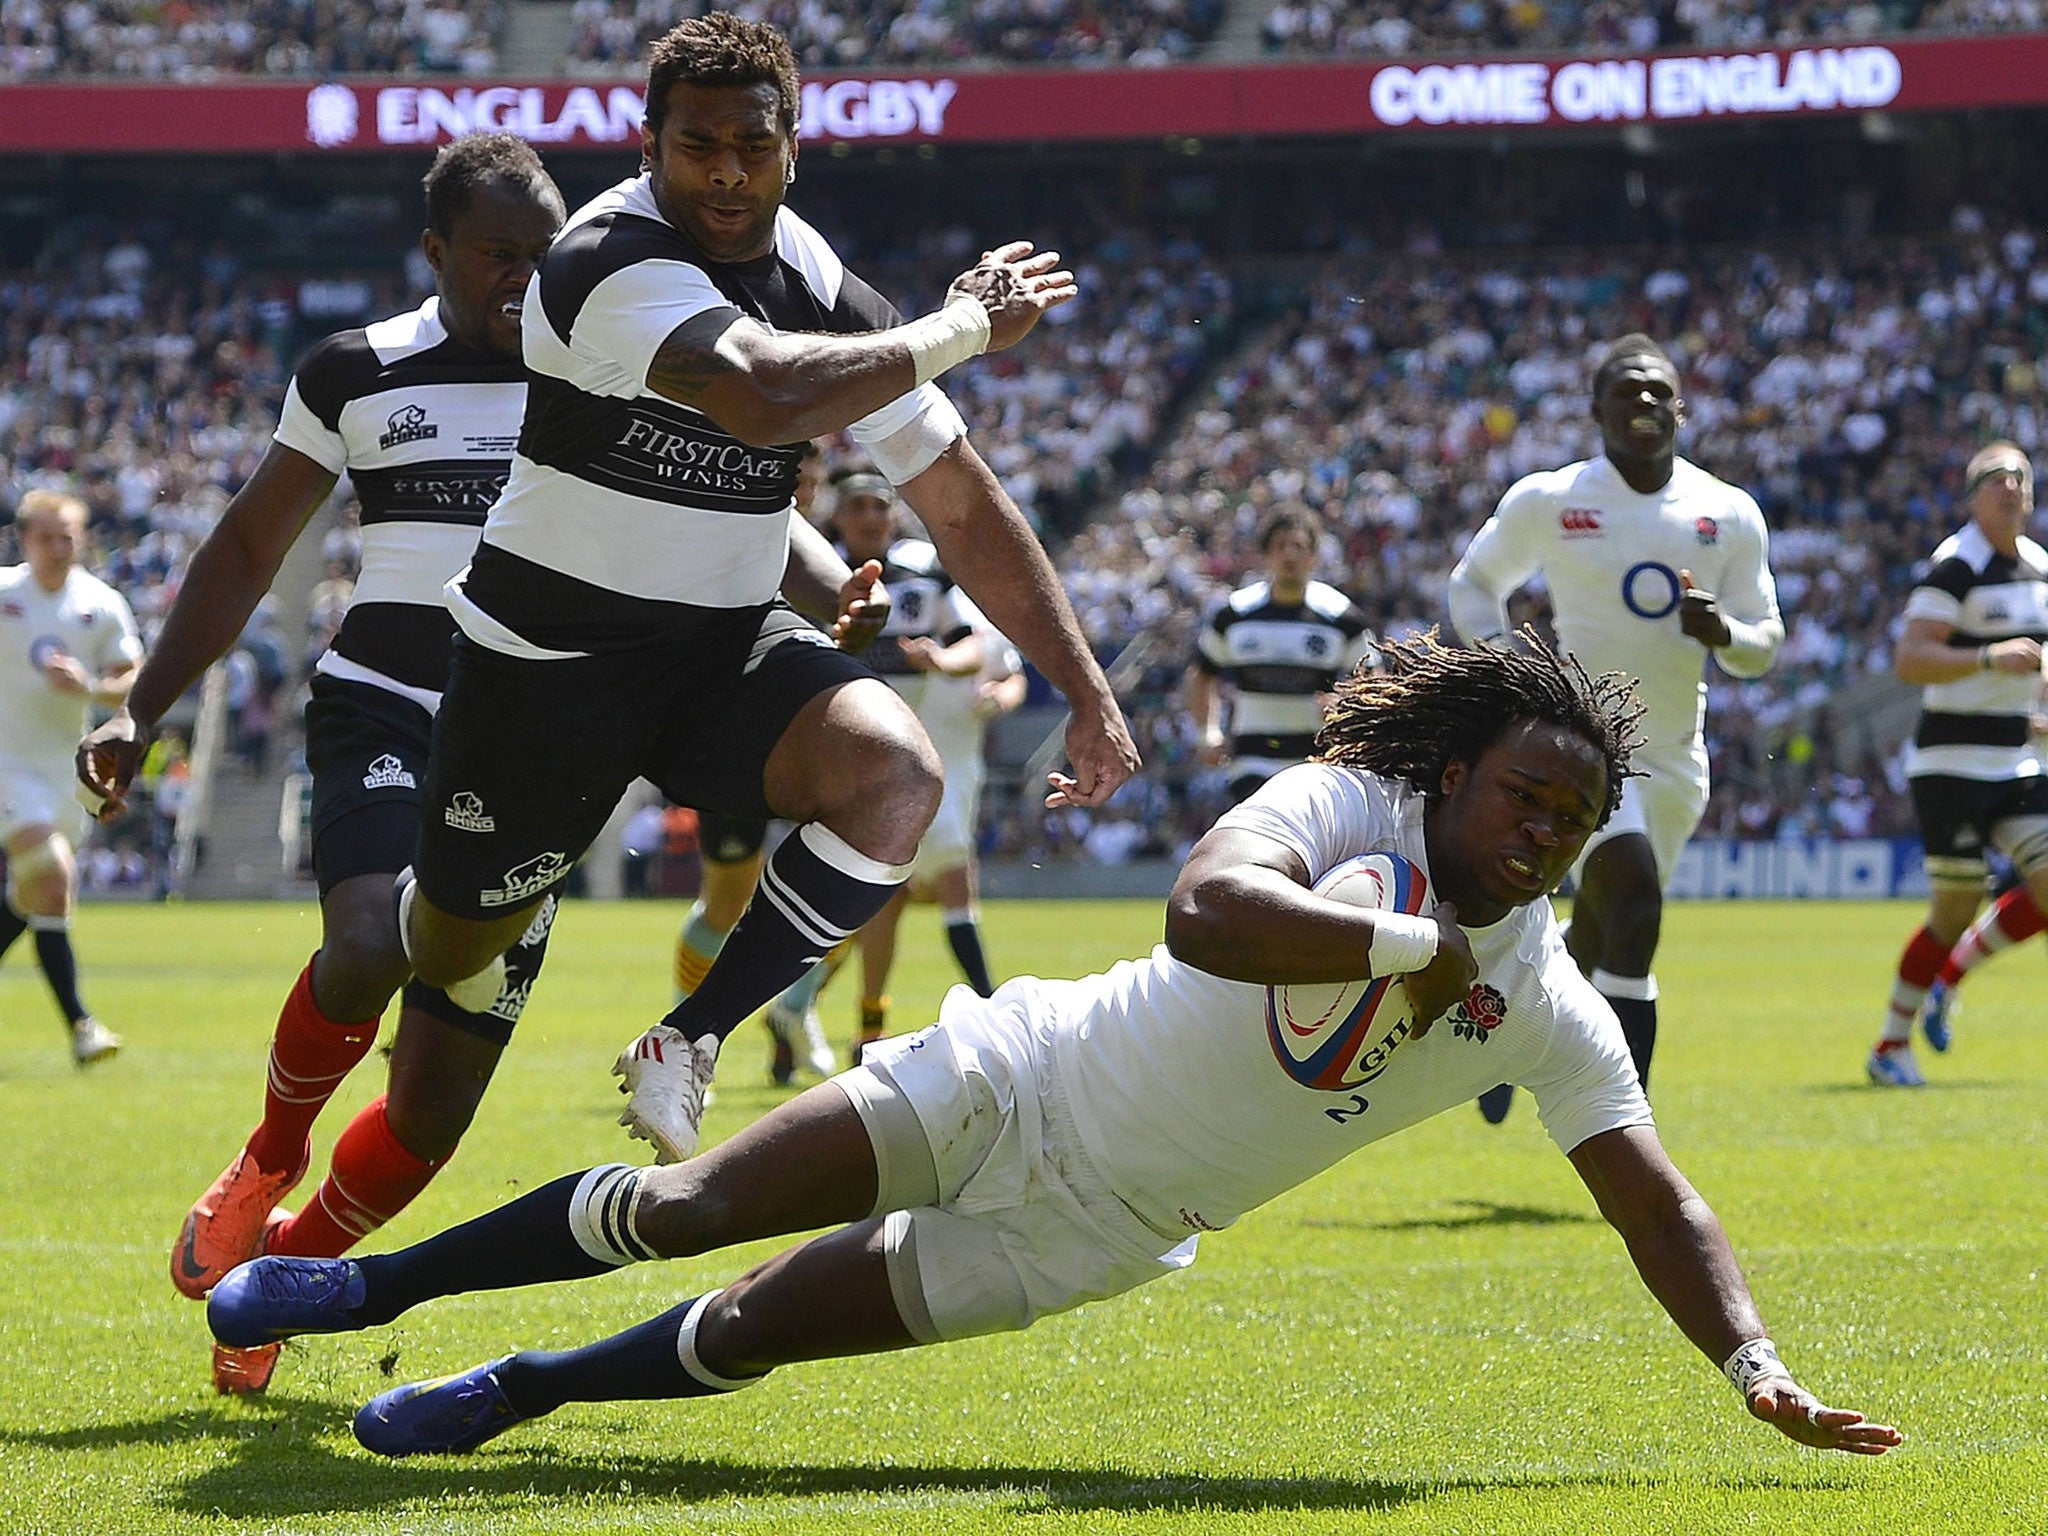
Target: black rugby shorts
<point>530,757</point>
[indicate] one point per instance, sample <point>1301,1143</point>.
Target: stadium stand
<point>1398,392</point>
<point>1844,384</point>
<point>189,40</point>
<point>610,35</point>
<point>1320,28</point>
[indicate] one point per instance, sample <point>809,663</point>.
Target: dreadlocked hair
<point>1432,704</point>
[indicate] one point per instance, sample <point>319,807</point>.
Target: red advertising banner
<point>1901,75</point>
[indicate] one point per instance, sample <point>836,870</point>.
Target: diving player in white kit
<point>1064,1141</point>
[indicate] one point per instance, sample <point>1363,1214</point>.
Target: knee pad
<point>44,869</point>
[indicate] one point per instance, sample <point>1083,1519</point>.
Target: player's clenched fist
<point>107,763</point>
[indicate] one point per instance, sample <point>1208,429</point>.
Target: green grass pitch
<point>1438,1336</point>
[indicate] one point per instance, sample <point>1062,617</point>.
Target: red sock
<point>1922,960</point>
<point>309,1056</point>
<point>370,1180</point>
<point>2013,919</point>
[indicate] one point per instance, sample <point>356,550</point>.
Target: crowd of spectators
<point>1843,383</point>
<point>1149,429</point>
<point>201,39</point>
<point>1391,28</point>
<point>610,35</point>
<point>145,375</point>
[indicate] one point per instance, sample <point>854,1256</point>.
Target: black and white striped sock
<point>816,890</point>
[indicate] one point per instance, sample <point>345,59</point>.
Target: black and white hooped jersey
<point>1279,656</point>
<point>629,515</point>
<point>1978,727</point>
<point>923,602</point>
<point>424,427</point>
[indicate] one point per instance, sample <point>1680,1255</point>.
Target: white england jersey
<point>1182,1103</point>
<point>85,619</point>
<point>628,515</point>
<point>1611,556</point>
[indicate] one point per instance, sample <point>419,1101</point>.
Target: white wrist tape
<point>1401,943</point>
<point>950,334</point>
<point>1751,1363</point>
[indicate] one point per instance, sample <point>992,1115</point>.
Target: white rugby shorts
<point>1024,1225</point>
<point>38,795</point>
<point>1664,805</point>
<point>949,842</point>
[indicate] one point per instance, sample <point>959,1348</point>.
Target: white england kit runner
<point>39,727</point>
<point>1612,556</point>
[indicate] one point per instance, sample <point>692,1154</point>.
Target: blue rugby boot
<point>450,1414</point>
<point>1937,1016</point>
<point>273,1298</point>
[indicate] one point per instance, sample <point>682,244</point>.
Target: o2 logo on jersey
<point>42,650</point>
<point>1649,589</point>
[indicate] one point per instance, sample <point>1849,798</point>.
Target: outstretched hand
<point>1799,1415</point>
<point>1015,286</point>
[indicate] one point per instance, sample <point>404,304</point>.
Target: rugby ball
<point>1336,1035</point>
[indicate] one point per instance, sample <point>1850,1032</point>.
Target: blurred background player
<point>67,643</point>
<point>622,602</point>
<point>1067,1141</point>
<point>1650,562</point>
<point>1974,629</point>
<point>937,652</point>
<point>420,411</point>
<point>1277,645</point>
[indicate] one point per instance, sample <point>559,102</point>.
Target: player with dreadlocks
<point>1066,1140</point>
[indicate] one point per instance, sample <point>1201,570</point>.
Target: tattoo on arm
<point>688,362</point>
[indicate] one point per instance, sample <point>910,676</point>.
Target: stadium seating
<point>612,35</point>
<point>1843,383</point>
<point>1324,28</point>
<point>201,39</point>
<point>1399,394</point>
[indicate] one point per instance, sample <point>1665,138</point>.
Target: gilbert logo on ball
<point>1337,1035</point>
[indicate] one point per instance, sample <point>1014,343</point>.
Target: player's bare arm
<point>960,659</point>
<point>1684,1258</point>
<point>1205,706</point>
<point>1927,653</point>
<point>767,386</point>
<point>1243,909</point>
<point>983,540</point>
<point>227,577</point>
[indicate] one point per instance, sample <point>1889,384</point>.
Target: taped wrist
<point>950,334</point>
<point>1752,1363</point>
<point>1401,943</point>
